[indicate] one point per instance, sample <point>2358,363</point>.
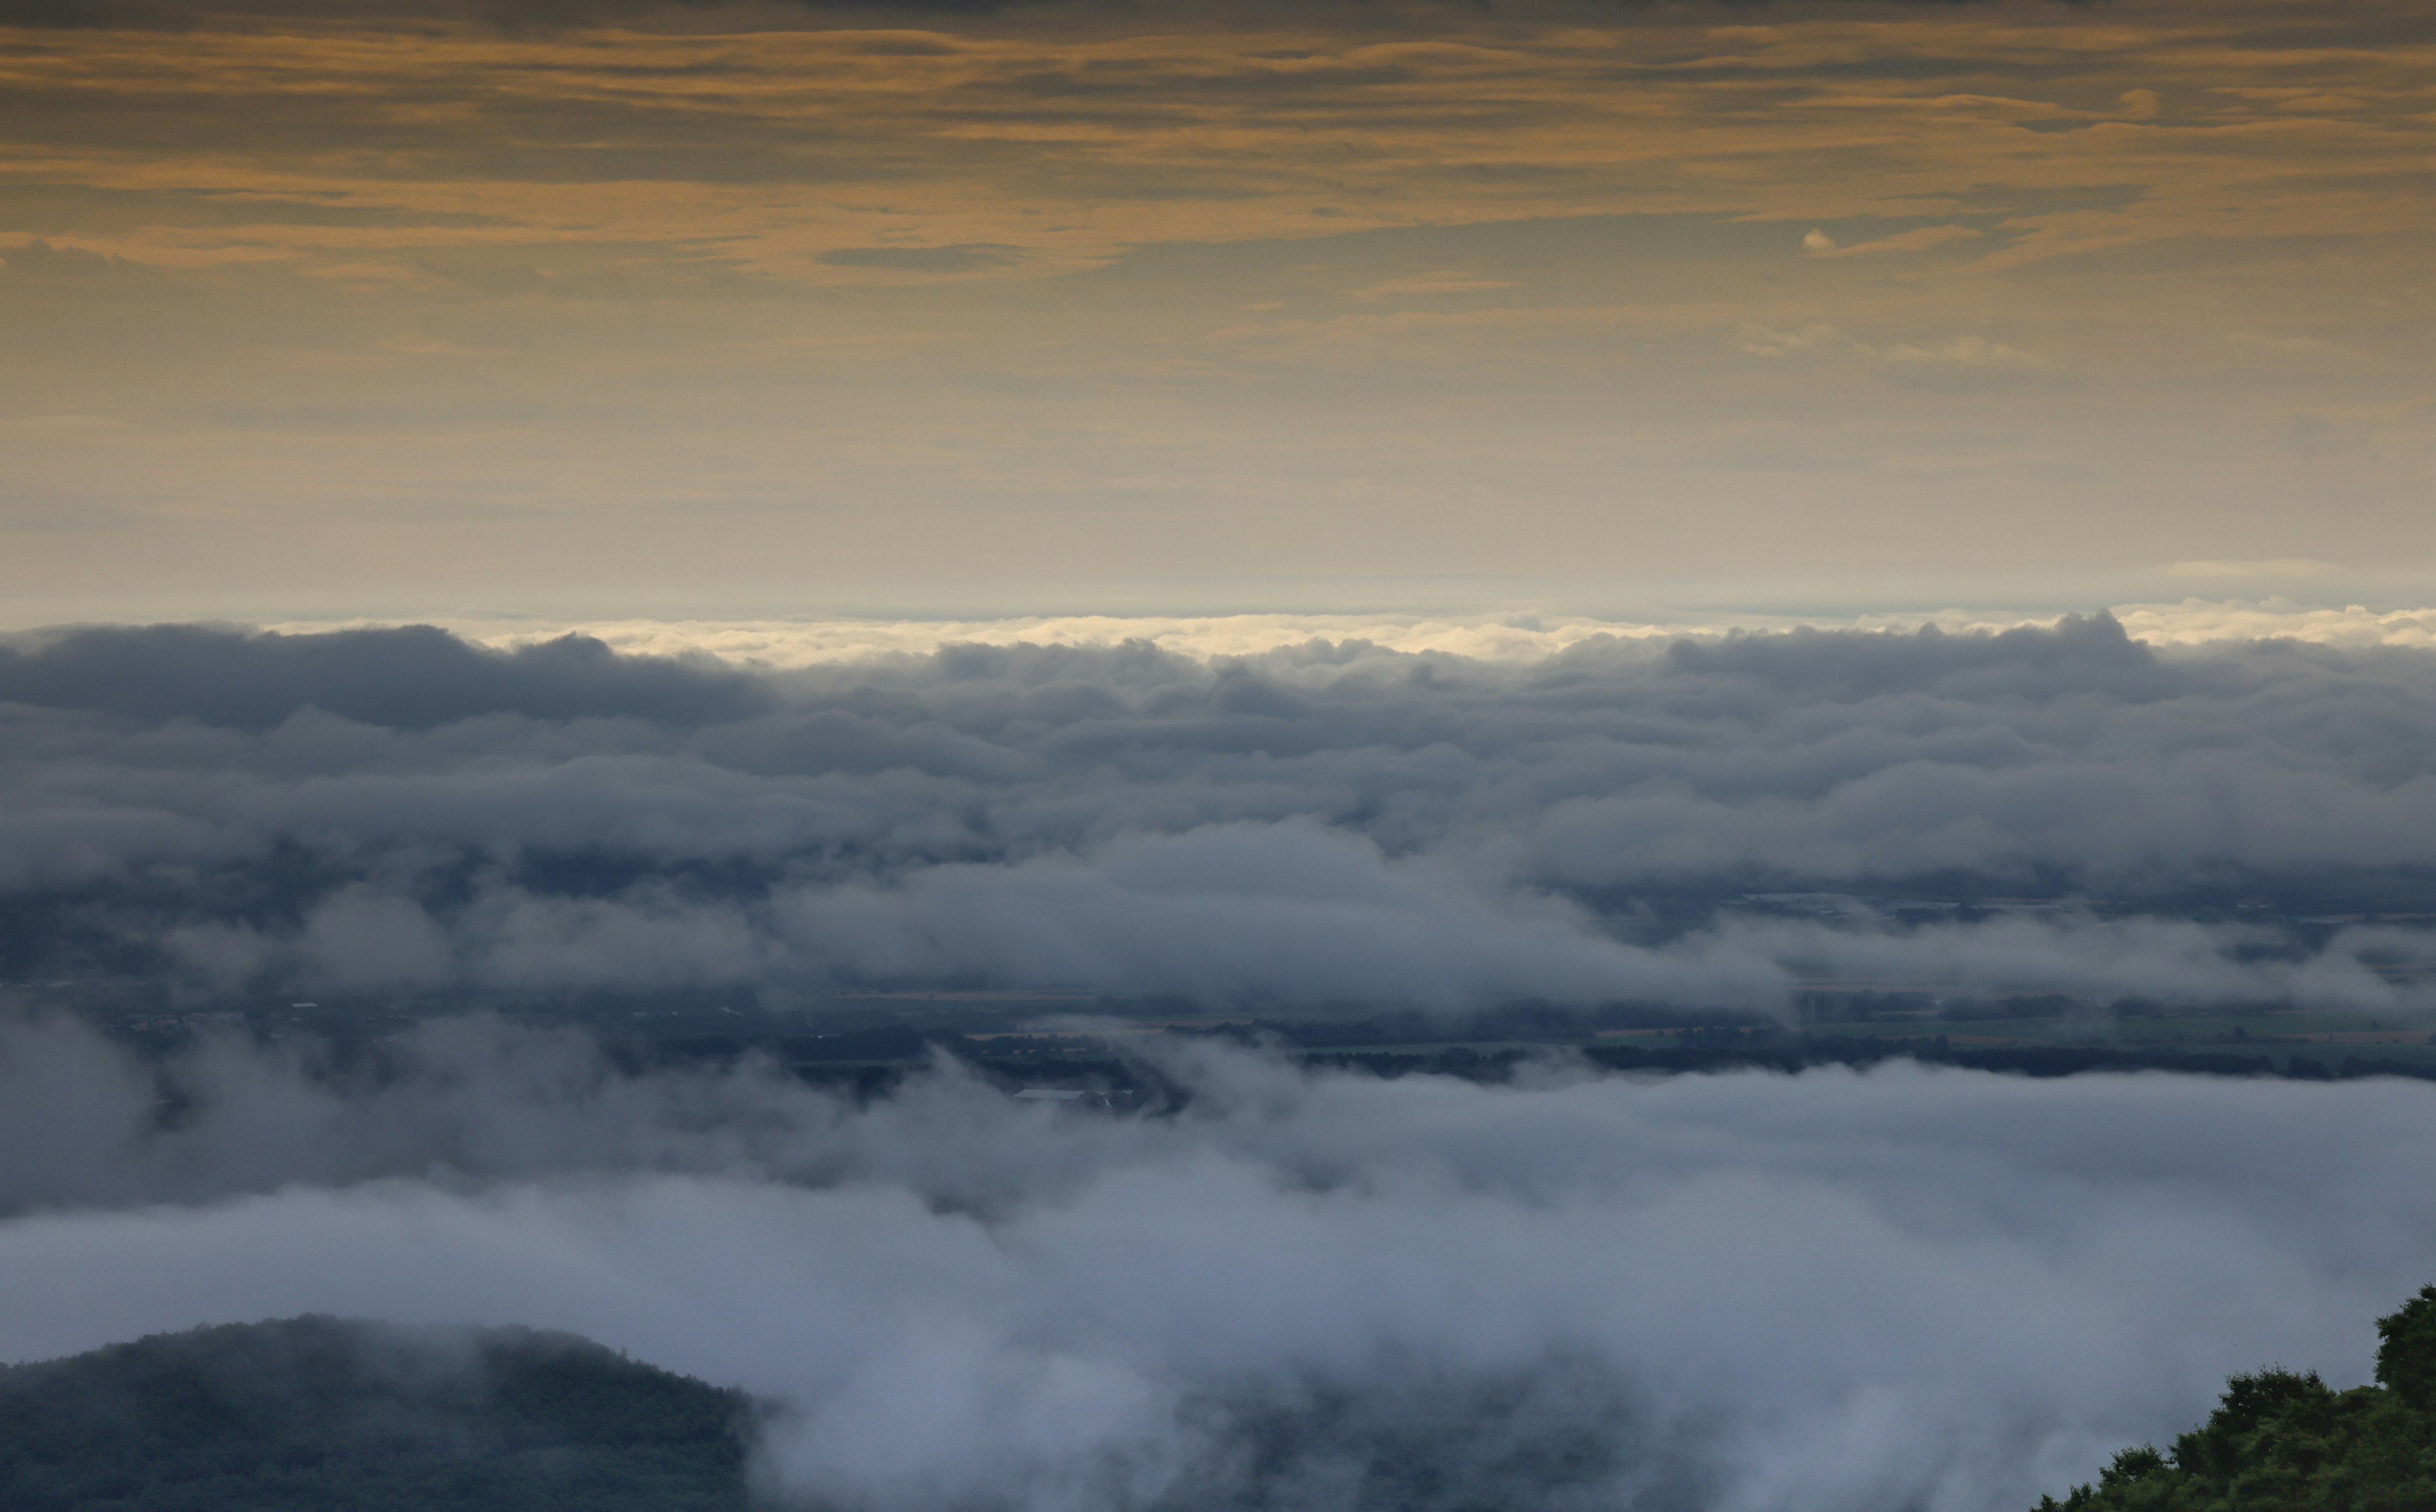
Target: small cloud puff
<point>1967,364</point>
<point>1919,239</point>
<point>48,260</point>
<point>1964,363</point>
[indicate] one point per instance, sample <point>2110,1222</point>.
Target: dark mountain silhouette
<point>341,1416</point>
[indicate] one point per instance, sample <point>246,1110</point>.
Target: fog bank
<point>1904,1289</point>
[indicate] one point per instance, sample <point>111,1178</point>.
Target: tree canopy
<point>2285,1441</point>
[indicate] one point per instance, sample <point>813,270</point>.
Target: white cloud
<point>1747,1291</point>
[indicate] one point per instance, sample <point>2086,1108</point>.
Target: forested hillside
<point>2282,1441</point>
<point>330,1416</point>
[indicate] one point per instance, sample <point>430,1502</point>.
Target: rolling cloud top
<point>399,810</point>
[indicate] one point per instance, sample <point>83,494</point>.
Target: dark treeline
<point>2284,1439</point>
<point>875,1060</point>
<point>876,1063</point>
<point>1778,1054</point>
<point>319,1414</point>
<point>1721,1052</point>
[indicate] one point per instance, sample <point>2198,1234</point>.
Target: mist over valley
<point>1805,1069</point>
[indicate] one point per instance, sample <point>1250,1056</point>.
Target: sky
<point>599,309</point>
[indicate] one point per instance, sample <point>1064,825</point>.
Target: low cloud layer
<point>1333,822</point>
<point>1915,1289</point>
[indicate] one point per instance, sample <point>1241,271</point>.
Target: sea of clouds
<point>1915,1289</point>
<point>1901,1288</point>
<point>1340,821</point>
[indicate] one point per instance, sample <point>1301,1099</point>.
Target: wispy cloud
<point>1965,363</point>
<point>2286,567</point>
<point>1818,244</point>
